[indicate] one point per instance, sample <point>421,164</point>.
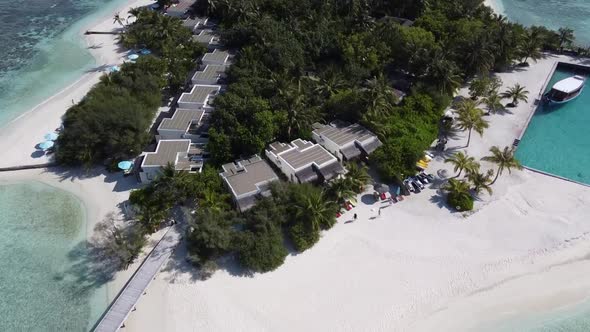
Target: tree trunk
<point>469,137</point>
<point>497,175</point>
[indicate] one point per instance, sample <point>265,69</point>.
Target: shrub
<point>460,202</point>
<point>262,251</point>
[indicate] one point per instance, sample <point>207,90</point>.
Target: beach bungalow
<point>207,38</point>
<point>217,57</point>
<point>184,155</point>
<point>248,179</point>
<point>346,142</point>
<point>211,74</point>
<point>303,161</point>
<point>194,24</point>
<point>200,97</point>
<point>180,9</point>
<point>185,124</point>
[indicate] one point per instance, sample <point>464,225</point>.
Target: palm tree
<point>504,159</point>
<point>443,73</point>
<point>358,175</point>
<point>481,181</point>
<point>566,38</point>
<point>516,93</point>
<point>461,162</point>
<point>493,102</point>
<point>457,188</point>
<point>470,118</point>
<point>316,210</point>
<point>299,116</point>
<point>117,19</point>
<point>479,57</point>
<point>531,46</point>
<point>341,190</point>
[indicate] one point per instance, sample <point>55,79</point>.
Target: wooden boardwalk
<point>123,304</point>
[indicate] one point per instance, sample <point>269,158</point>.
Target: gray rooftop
<point>181,7</point>
<point>194,23</point>
<point>199,93</point>
<point>343,136</point>
<point>306,153</point>
<point>205,37</point>
<point>246,176</point>
<point>181,119</point>
<point>211,72</point>
<point>216,56</point>
<point>166,152</point>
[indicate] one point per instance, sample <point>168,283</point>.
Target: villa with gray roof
<point>248,179</point>
<point>345,141</point>
<point>184,123</point>
<point>303,161</point>
<point>196,23</point>
<point>217,57</point>
<point>211,74</point>
<point>200,97</point>
<point>180,9</point>
<point>181,153</point>
<point>208,38</point>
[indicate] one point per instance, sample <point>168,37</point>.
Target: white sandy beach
<point>417,267</point>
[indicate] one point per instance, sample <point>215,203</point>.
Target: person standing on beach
<point>355,216</point>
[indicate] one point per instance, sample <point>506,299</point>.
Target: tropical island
<point>374,141</point>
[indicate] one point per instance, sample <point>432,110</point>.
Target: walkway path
<point>119,310</point>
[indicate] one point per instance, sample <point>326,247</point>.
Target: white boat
<point>565,90</point>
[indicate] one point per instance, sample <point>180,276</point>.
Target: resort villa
<point>303,161</point>
<point>346,142</point>
<point>208,38</point>
<point>180,153</point>
<point>200,97</point>
<point>185,124</point>
<point>217,57</point>
<point>211,74</point>
<point>196,23</point>
<point>248,179</point>
<point>180,9</point>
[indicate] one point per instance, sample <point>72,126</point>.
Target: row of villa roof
<point>182,138</point>
<point>300,161</point>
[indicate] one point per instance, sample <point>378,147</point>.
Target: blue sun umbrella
<point>46,145</point>
<point>125,165</point>
<point>132,56</point>
<point>114,69</point>
<point>145,51</point>
<point>51,136</point>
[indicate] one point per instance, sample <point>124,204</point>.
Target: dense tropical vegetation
<point>111,123</point>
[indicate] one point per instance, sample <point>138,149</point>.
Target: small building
<point>185,124</point>
<point>200,97</point>
<point>181,153</point>
<point>248,179</point>
<point>207,38</point>
<point>217,57</point>
<point>211,74</point>
<point>302,161</point>
<point>196,23</point>
<point>345,141</point>
<point>180,9</point>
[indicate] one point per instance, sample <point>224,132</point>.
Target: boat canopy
<point>569,84</point>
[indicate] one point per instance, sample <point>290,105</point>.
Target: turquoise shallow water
<point>554,14</point>
<point>556,140</point>
<point>42,233</point>
<point>41,50</point>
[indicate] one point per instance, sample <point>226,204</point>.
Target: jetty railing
<point>115,315</point>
